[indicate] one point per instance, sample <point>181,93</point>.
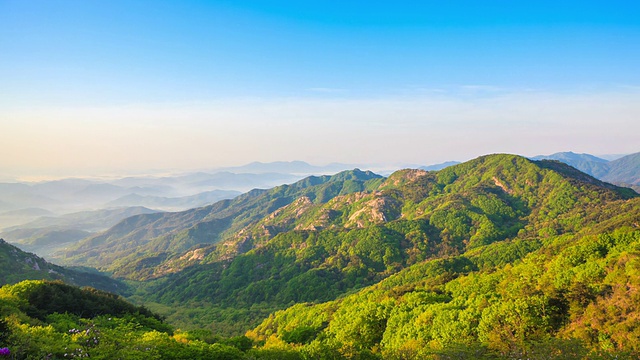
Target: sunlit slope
<point>155,237</point>
<point>316,251</point>
<point>569,296</point>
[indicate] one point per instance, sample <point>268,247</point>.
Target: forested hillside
<point>311,252</point>
<point>52,320</point>
<point>17,265</point>
<point>147,241</point>
<point>570,296</point>
<point>500,256</point>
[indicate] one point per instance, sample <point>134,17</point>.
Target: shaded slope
<point>17,265</point>
<point>45,241</point>
<point>93,220</point>
<point>39,299</point>
<point>625,170</point>
<point>586,163</point>
<point>48,234</point>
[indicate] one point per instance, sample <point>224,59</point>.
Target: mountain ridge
<point>305,251</point>
<point>207,225</point>
<point>623,171</point>
<point>18,265</point>
<point>202,225</point>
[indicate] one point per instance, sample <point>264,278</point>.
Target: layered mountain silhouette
<point>624,171</point>
<point>49,234</point>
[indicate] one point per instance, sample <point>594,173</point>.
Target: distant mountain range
<point>174,203</point>
<point>623,171</point>
<point>92,221</point>
<point>289,167</point>
<point>164,234</point>
<point>49,234</point>
<point>21,202</point>
<point>24,202</point>
<point>37,205</point>
<point>440,166</point>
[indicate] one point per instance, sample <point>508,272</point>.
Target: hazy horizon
<point>380,168</point>
<point>114,87</point>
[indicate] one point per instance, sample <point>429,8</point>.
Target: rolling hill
<point>17,265</point>
<point>306,251</point>
<point>150,239</point>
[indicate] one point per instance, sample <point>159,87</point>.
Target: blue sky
<point>135,85</point>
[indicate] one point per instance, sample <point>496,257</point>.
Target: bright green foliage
<point>42,299</point>
<point>99,325</point>
<point>331,241</point>
<point>581,301</point>
<point>145,246</point>
<point>318,240</point>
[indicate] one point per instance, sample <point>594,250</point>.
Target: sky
<point>119,87</point>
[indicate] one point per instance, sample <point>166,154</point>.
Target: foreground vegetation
<point>52,320</point>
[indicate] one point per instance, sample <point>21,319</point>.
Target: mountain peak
<point>568,156</point>
<point>356,174</point>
